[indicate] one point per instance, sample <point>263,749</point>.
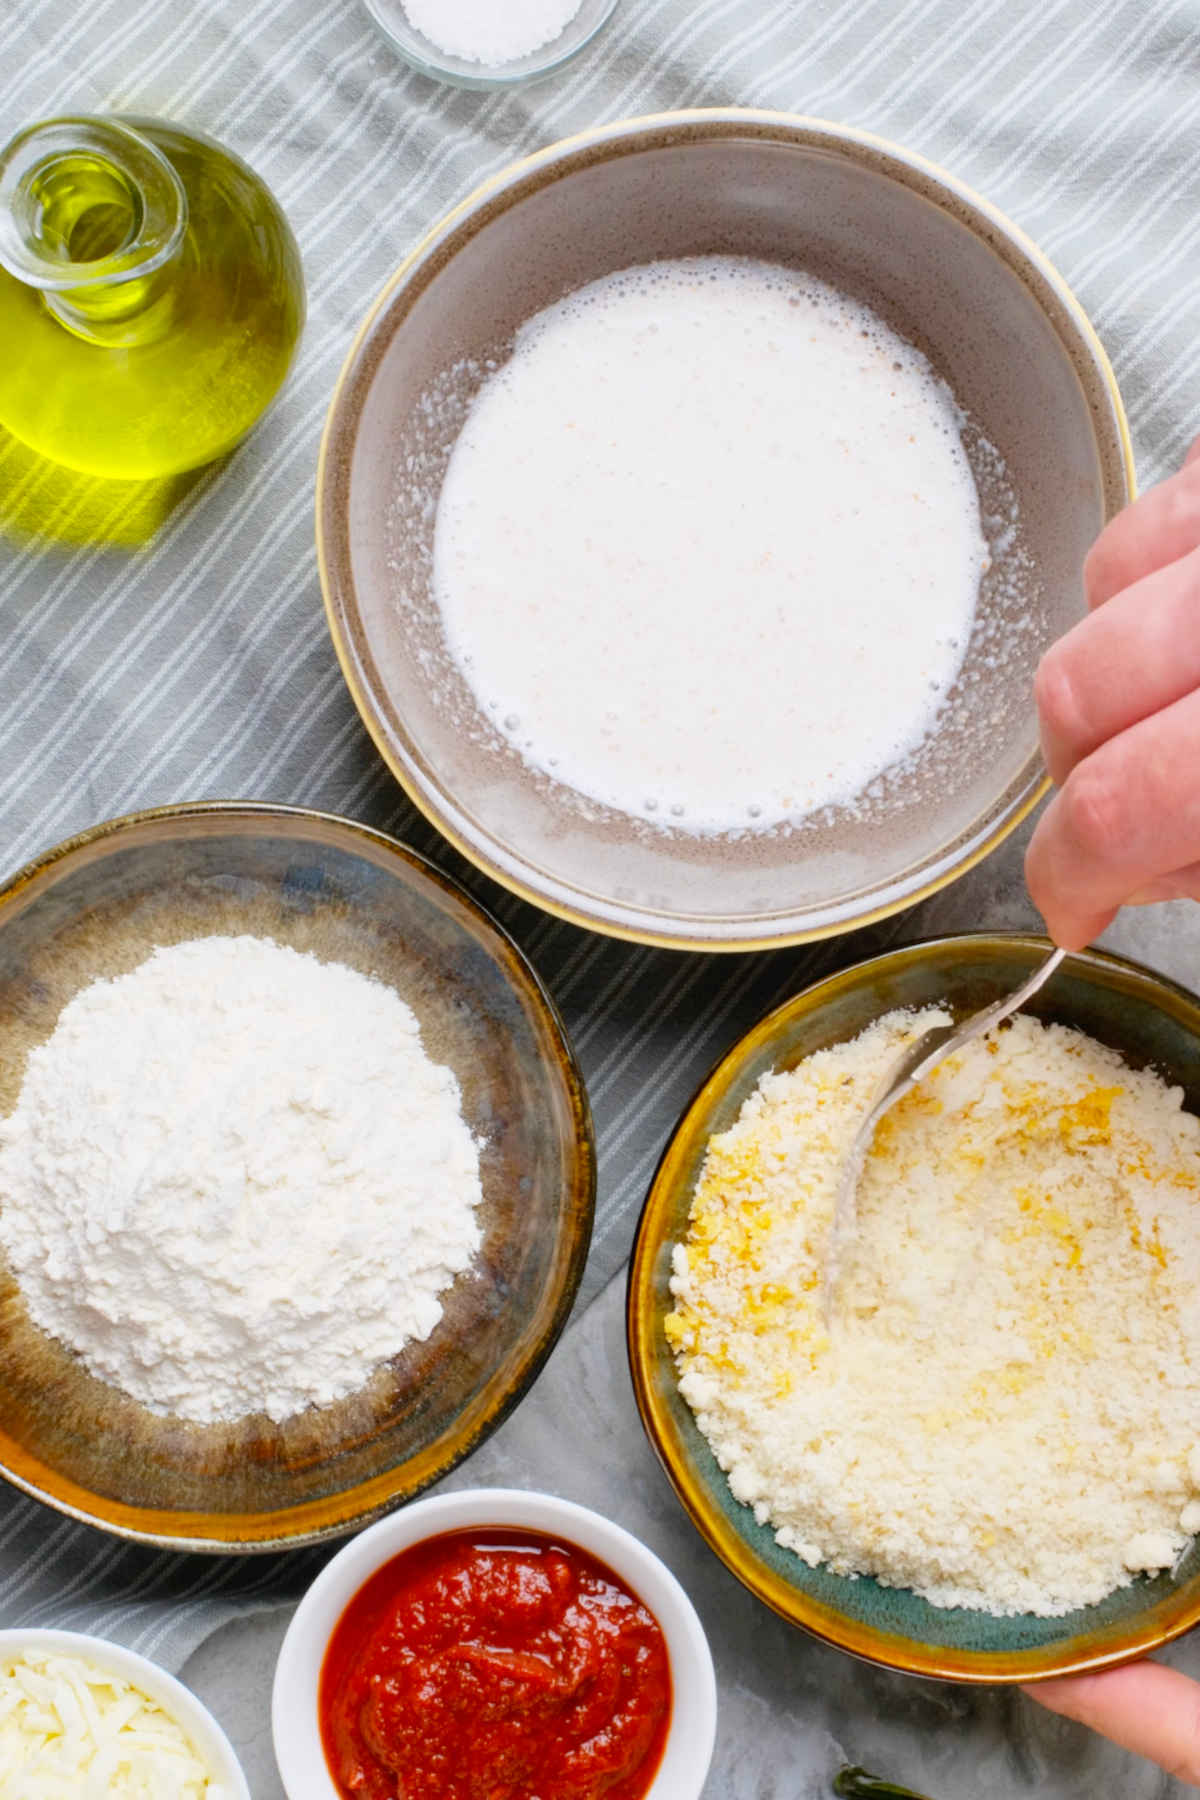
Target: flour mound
<point>234,1182</point>
<point>1005,1414</point>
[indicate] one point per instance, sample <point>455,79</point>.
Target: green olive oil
<point>151,296</point>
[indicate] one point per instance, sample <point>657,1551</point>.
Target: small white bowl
<point>425,56</point>
<point>294,1717</point>
<point>208,1740</point>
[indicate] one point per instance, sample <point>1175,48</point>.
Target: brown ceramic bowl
<point>97,906</point>
<point>951,275</point>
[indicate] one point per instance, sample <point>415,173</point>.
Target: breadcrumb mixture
<point>1005,1413</point>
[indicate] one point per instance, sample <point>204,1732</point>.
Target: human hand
<point>1144,1707</point>
<point>1119,704</point>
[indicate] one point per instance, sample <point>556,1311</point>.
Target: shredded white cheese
<point>70,1730</point>
<point>1007,1412</point>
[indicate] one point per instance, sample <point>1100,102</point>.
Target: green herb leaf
<point>856,1784</point>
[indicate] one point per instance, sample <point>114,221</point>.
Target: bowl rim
<point>158,1683</point>
<point>1006,240</point>
<point>867,1643</point>
<point>237,1534</point>
<point>424,56</point>
<point>294,1715</point>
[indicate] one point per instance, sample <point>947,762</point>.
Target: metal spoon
<point>912,1065</point>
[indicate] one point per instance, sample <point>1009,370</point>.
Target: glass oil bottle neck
<point>92,214</point>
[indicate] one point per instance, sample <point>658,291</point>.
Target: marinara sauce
<point>495,1665</point>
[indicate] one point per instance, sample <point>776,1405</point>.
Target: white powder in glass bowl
<point>1007,1411</point>
<point>483,31</point>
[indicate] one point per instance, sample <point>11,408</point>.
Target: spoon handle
<point>911,1067</point>
<point>949,1040</point>
<point>993,1015</point>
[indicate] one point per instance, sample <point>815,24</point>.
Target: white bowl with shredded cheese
<point>79,1716</point>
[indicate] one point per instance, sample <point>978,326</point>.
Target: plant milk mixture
<point>708,547</point>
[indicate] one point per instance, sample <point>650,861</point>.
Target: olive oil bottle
<point>151,296</point>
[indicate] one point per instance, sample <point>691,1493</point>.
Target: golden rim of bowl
<point>866,1642</point>
<point>718,121</point>
<point>335,1515</point>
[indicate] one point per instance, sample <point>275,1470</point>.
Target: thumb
<point>1144,1707</point>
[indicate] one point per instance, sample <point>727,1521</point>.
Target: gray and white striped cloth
<point>200,665</point>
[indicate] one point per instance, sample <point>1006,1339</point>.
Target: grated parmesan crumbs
<point>1007,1413</point>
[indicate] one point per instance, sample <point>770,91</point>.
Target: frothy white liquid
<point>708,547</point>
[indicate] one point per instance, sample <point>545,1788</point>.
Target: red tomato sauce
<point>495,1665</point>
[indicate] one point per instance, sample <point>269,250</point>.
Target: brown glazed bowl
<point>952,275</point>
<point>97,906</point>
<point>1145,1017</point>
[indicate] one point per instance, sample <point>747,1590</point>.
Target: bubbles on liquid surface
<point>710,543</point>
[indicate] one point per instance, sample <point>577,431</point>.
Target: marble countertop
<point>791,1709</point>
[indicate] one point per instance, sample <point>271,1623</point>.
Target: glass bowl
<point>97,906</point>
<point>457,71</point>
<point>1149,1021</point>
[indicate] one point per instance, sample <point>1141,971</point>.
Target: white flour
<point>708,547</point>
<point>484,32</point>
<point>234,1182</point>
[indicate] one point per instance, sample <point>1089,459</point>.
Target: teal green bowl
<point>1150,1021</point>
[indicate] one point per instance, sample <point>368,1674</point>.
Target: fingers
<point>1134,656</point>
<point>1183,884</point>
<point>1148,1709</point>
<point>1127,818</point>
<point>1159,528</point>
<point>1119,706</point>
